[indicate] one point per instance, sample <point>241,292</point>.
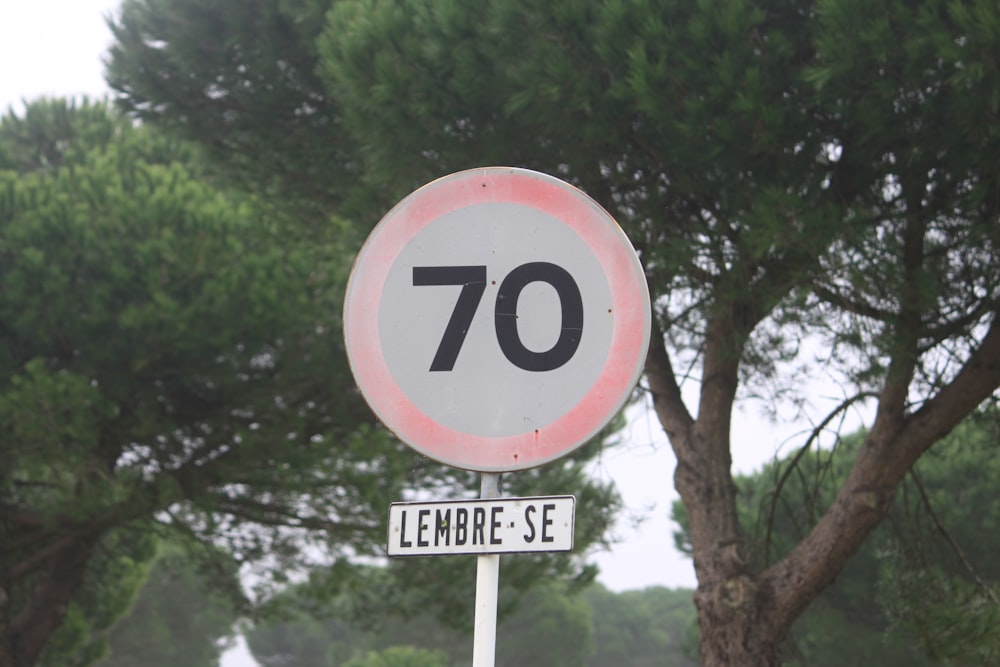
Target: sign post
<point>495,320</point>
<point>487,590</point>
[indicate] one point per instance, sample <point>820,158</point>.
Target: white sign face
<point>496,319</point>
<point>493,526</point>
<point>517,255</point>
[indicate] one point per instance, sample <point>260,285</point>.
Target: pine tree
<point>789,171</point>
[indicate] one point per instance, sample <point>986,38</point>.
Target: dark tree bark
<point>6,659</point>
<point>59,572</point>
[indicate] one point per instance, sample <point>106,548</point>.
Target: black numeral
<point>506,316</point>
<point>473,282</point>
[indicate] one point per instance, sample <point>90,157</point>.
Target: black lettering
<point>505,320</point>
<point>478,523</point>
<point>530,536</point>
<point>494,524</point>
<point>421,527</point>
<point>403,542</point>
<point>461,526</point>
<point>546,522</point>
<point>442,529</point>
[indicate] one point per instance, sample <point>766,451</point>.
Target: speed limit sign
<point>496,319</point>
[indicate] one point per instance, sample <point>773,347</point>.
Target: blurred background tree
<point>171,367</point>
<point>924,588</point>
<point>178,617</point>
<point>551,625</point>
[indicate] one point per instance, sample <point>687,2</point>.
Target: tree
<point>641,628</point>
<point>114,574</point>
<point>171,365</point>
<point>281,143</point>
<point>789,171</point>
<point>549,627</point>
<point>401,656</point>
<point>301,640</point>
<point>553,624</point>
<point>923,588</point>
<point>156,343</point>
<point>334,633</point>
<point>939,582</point>
<point>178,618</point>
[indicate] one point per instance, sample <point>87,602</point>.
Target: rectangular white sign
<point>487,526</point>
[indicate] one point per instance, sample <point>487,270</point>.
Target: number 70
<point>473,282</point>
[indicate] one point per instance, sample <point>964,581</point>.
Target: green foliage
<point>923,590</point>
<point>551,625</point>
<point>170,360</point>
<point>156,340</point>
<point>654,626</point>
<point>151,325</point>
<point>650,107</point>
<point>401,656</point>
<point>285,145</point>
<point>333,632</point>
<point>820,171</point>
<point>951,620</point>
<point>52,133</point>
<point>115,575</point>
<point>754,151</point>
<point>548,628</point>
<point>939,580</point>
<point>179,617</point>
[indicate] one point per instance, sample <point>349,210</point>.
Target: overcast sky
<point>52,47</point>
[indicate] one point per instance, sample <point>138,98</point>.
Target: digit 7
<point>473,282</point>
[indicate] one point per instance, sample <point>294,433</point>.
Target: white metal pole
<point>487,587</point>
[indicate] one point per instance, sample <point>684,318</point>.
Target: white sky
<point>52,47</point>
<point>55,47</point>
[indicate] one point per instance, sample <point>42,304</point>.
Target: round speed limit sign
<point>496,319</point>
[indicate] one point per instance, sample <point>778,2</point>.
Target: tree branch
<point>667,402</point>
<point>47,603</point>
<point>905,343</point>
<point>958,325</point>
<point>275,516</point>
<point>883,461</point>
<point>841,302</point>
<point>786,473</point>
<point>41,557</point>
<point>20,516</point>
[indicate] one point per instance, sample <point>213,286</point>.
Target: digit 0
<point>506,316</point>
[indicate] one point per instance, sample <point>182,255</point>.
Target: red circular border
<point>629,298</point>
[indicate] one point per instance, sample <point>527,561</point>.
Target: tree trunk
<point>25,631</point>
<point>744,617</point>
<point>6,659</point>
<point>734,630</point>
